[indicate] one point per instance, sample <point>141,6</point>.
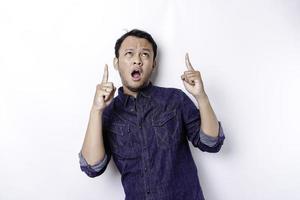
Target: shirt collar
<point>145,92</point>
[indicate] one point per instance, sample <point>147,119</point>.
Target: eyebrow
<point>144,49</point>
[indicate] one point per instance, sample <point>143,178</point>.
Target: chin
<point>136,86</point>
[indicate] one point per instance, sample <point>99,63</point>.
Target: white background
<point>52,55</point>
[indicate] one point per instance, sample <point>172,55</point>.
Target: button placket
<point>144,172</point>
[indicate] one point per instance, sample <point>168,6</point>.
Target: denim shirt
<point>147,137</point>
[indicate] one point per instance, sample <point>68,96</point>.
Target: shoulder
<point>169,93</point>
<point>168,90</point>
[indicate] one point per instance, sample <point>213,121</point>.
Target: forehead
<point>132,42</point>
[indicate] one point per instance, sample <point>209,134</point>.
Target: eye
<point>145,54</point>
<point>128,53</point>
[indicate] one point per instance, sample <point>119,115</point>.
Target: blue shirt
<point>147,137</point>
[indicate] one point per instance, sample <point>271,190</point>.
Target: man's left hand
<point>192,80</point>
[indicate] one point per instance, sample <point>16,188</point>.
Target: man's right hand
<point>104,92</point>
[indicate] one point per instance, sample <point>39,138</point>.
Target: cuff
<point>97,167</point>
<point>209,140</point>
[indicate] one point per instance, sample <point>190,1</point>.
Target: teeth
<point>136,71</point>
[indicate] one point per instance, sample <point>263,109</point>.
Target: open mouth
<point>136,74</point>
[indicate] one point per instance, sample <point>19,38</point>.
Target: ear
<point>116,63</point>
<point>154,65</point>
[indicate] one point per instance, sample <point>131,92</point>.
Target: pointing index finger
<point>105,74</point>
<point>188,63</point>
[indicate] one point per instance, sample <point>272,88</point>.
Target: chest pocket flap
<point>117,128</point>
<point>164,118</point>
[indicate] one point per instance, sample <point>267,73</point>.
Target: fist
<point>104,92</point>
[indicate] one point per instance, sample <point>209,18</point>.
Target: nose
<point>137,60</point>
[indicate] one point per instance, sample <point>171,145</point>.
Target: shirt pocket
<point>121,140</point>
<point>166,128</point>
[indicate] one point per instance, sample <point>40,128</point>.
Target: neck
<point>133,93</point>
<point>129,92</point>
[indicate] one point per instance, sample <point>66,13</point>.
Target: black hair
<point>136,33</point>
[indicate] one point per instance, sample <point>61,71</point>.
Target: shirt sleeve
<point>192,128</point>
<point>97,169</point>
<point>93,170</point>
<point>209,140</point>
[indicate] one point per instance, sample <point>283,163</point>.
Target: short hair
<point>136,33</point>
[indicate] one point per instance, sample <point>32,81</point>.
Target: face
<point>135,63</point>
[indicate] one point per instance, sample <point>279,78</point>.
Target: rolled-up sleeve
<point>98,168</point>
<point>213,144</point>
<point>93,170</point>
<point>191,125</point>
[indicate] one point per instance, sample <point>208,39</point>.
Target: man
<point>146,128</point>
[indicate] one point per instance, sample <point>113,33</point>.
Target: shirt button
<point>145,169</point>
<point>148,192</point>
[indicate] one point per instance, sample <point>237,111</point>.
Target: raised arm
<point>93,146</point>
<point>193,83</point>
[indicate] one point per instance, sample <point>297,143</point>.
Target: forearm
<point>209,121</point>
<point>93,147</point>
